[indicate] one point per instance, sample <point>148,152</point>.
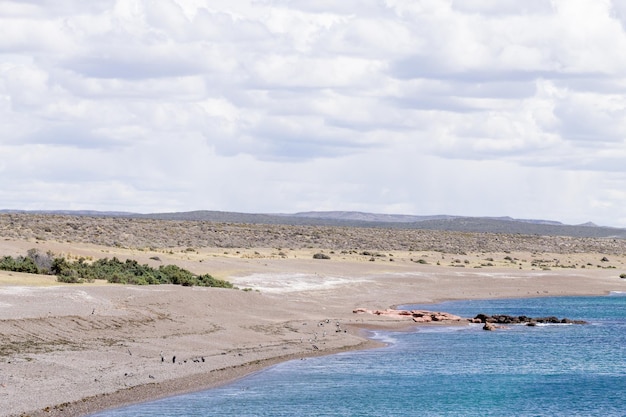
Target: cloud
<point>591,118</point>
<point>373,106</point>
<point>71,136</point>
<point>315,73</point>
<point>46,9</point>
<point>152,62</point>
<point>504,7</point>
<point>618,11</point>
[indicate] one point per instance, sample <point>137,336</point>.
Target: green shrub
<point>7,263</point>
<point>70,276</point>
<point>19,264</point>
<point>172,274</point>
<point>113,270</point>
<point>209,281</point>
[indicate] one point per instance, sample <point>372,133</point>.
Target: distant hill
<point>365,217</point>
<point>89,213</point>
<point>399,218</point>
<point>469,224</point>
<point>359,219</point>
<point>522,227</point>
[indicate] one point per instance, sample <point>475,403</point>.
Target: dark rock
<point>482,317</point>
<point>489,327</point>
<point>506,319</point>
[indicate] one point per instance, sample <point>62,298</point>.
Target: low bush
<point>113,270</point>
<point>19,264</point>
<point>207,280</point>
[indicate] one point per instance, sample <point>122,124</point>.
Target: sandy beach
<point>74,349</point>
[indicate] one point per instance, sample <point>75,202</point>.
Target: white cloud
<point>592,118</point>
<point>504,7</point>
<point>474,107</point>
<point>314,73</point>
<point>26,86</point>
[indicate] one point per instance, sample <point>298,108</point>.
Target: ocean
<point>547,370</point>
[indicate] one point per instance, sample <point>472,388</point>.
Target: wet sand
<point>70,350</point>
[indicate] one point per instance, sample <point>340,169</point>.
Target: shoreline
<point>185,385</point>
<point>220,377</point>
<point>87,348</point>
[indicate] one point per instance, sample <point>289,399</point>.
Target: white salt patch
<point>282,283</point>
<point>505,275</point>
<point>21,291</point>
<point>410,274</point>
<point>76,295</point>
<point>79,296</point>
<point>142,288</point>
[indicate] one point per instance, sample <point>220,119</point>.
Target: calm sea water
<point>553,370</point>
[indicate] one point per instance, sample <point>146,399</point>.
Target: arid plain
<point>73,349</point>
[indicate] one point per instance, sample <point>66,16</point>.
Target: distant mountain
<point>365,217</point>
<point>399,218</point>
<point>468,224</point>
<point>506,225</point>
<point>93,213</point>
<point>589,224</point>
<point>522,227</point>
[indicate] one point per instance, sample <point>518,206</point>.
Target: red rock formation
<point>418,316</point>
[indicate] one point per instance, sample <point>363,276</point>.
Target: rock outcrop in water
<point>492,322</point>
<point>418,316</point>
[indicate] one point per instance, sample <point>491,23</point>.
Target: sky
<point>459,107</point>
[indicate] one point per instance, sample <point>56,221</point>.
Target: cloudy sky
<point>466,107</point>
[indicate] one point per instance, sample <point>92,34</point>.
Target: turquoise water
<point>553,370</point>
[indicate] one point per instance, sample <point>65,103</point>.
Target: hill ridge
<point>502,225</point>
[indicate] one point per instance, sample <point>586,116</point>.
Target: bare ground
<point>74,349</point>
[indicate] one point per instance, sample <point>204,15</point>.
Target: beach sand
<point>70,350</point>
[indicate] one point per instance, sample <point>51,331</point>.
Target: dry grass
<point>194,244</point>
<point>31,280</point>
<point>147,234</point>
